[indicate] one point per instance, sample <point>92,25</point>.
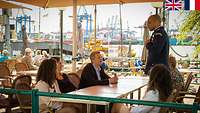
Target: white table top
<point>189,70</point>
<point>125,86</point>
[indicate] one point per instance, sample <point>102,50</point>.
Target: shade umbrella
<point>145,38</point>
<point>74,3</point>
<point>9,5</point>
<point>65,3</point>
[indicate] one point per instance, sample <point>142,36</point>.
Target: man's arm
<point>156,45</point>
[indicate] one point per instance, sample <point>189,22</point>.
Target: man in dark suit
<point>157,45</point>
<point>93,73</point>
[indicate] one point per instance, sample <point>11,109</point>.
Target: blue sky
<point>133,14</point>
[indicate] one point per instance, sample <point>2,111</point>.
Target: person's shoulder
<point>151,95</point>
<point>152,92</point>
<point>88,65</point>
<point>41,84</point>
<point>159,29</point>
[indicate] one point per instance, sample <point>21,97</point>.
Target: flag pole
<point>164,13</point>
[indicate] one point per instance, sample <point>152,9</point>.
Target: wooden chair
<point>4,71</point>
<point>188,81</point>
<point>186,87</point>
<point>21,67</point>
<point>24,100</point>
<point>194,96</point>
<point>74,78</point>
<point>5,77</point>
<point>11,64</point>
<point>22,78</point>
<point>13,100</point>
<point>3,63</point>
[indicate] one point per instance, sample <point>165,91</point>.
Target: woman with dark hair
<point>159,89</point>
<point>46,82</point>
<point>64,83</point>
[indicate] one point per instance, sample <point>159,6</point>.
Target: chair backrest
<point>21,67</point>
<point>4,71</point>
<point>74,78</point>
<point>3,63</point>
<point>197,99</point>
<point>11,64</point>
<point>22,79</point>
<point>24,100</point>
<point>188,81</point>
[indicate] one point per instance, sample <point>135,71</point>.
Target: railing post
<point>35,101</point>
<point>195,107</point>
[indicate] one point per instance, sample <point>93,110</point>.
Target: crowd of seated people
<point>50,79</point>
<point>33,61</point>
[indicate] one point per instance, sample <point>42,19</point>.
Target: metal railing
<point>35,99</point>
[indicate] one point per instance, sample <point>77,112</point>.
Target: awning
<point>8,5</point>
<point>65,3</point>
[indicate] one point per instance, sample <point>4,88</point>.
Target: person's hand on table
<point>113,80</point>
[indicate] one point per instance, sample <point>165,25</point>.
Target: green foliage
<point>191,25</point>
<point>197,51</point>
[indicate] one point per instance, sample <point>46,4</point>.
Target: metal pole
<point>90,26</point>
<point>61,34</point>
<point>24,18</point>
<point>95,24</point>
<point>29,24</point>
<point>39,18</point>
<point>74,45</point>
<point>121,33</point>
<point>16,25</point>
<point>35,101</point>
<point>7,30</point>
<point>164,13</point>
<point>156,10</point>
<point>21,27</point>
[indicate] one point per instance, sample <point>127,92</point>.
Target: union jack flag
<point>173,5</point>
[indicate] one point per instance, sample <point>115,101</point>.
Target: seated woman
<point>177,78</point>
<point>64,83</point>
<point>45,55</point>
<point>38,58</point>
<point>46,82</point>
<point>28,60</point>
<point>159,89</point>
